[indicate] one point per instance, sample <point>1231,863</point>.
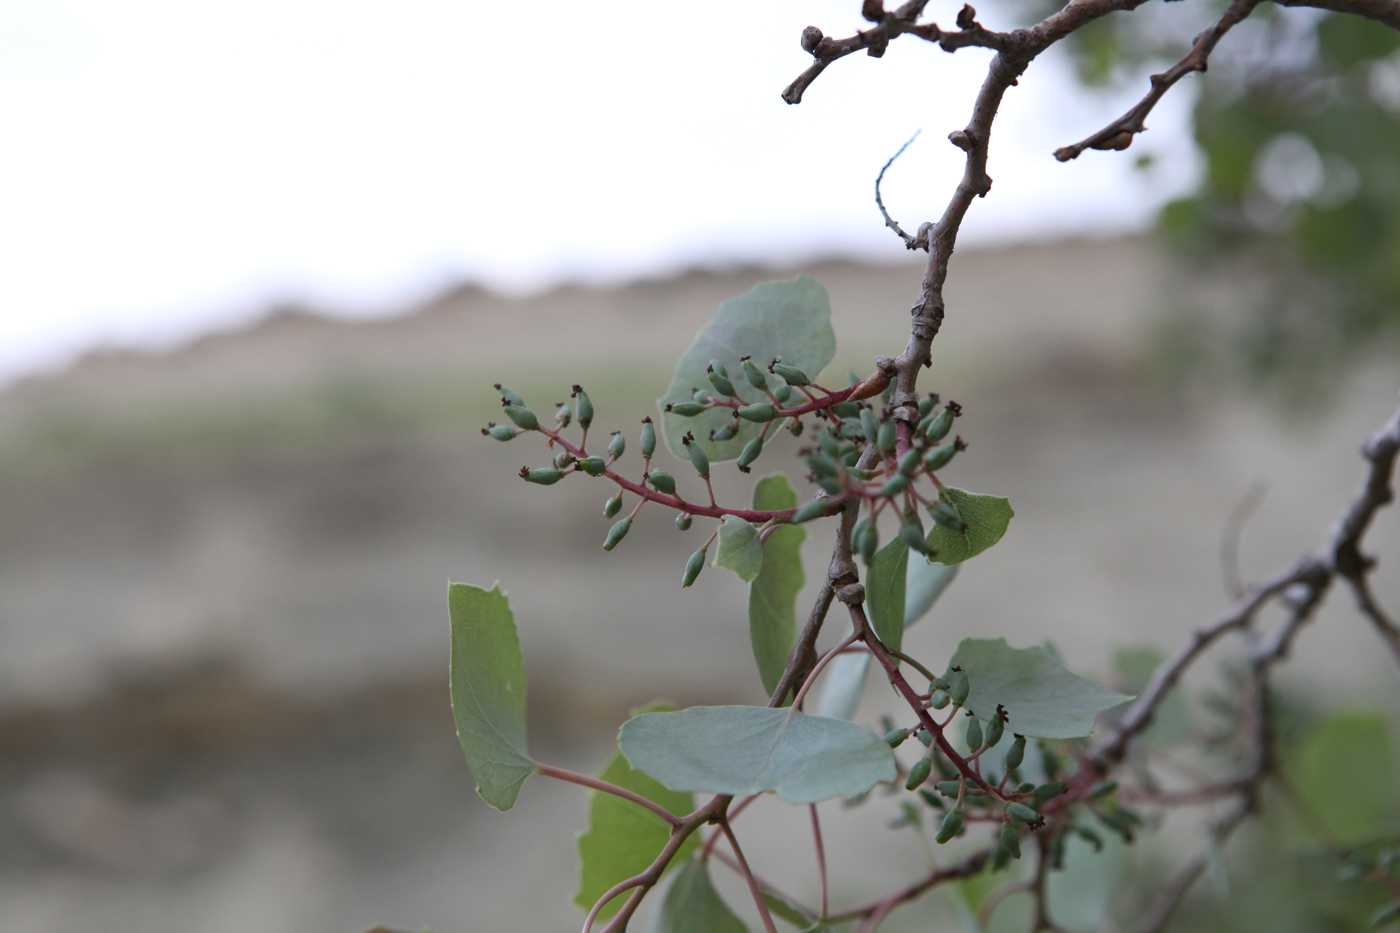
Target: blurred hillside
<point>223,573</point>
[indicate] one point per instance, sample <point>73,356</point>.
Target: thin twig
<point>910,242</point>
<point>820,848</point>
<point>747,872</point>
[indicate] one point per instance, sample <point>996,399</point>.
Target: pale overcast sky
<point>175,165</point>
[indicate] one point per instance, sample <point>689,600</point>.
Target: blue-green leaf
<point>739,548</point>
<point>1041,697</point>
<point>487,681</point>
<point>773,593</point>
<point>752,749</point>
<point>986,518</point>
<point>692,905</point>
<point>1353,747</point>
<point>884,592</point>
<point>622,838</point>
<point>790,319</point>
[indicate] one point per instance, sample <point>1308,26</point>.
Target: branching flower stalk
<point>874,450</point>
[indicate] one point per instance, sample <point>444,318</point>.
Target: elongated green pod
<point>909,463</point>
<point>927,404</point>
<point>949,788</point>
<point>939,700</point>
<point>941,456</point>
<point>750,453</point>
<point>895,737</point>
<point>698,459</point>
<point>612,506</point>
<point>759,412</point>
<point>959,687</point>
<point>725,432</point>
<point>814,509</point>
<point>1101,790</point>
<point>782,393</point>
<point>499,432</point>
<point>894,486</point>
<point>1022,812</point>
<point>593,466</point>
<point>616,533</point>
<point>563,415</point>
<point>1010,837</point>
<point>1016,753</point>
<point>617,445</point>
<point>583,408</point>
<point>524,418</point>
<point>918,774</point>
<point>912,533</point>
<point>563,460</point>
<point>685,409</point>
<point>870,426</point>
<point>846,409</point>
<point>541,476</point>
<point>1048,791</point>
<point>648,438</point>
<point>720,379</point>
<point>693,566</point>
<point>887,437</point>
<point>973,736</point>
<point>939,426</point>
<point>1089,836</point>
<point>662,482</point>
<point>996,727</point>
<point>790,374</point>
<point>951,826</point>
<point>509,397</point>
<point>865,539</point>
<point>753,373</point>
<point>683,521</point>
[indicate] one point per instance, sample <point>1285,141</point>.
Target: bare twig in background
<point>1230,540</point>
<point>911,242</point>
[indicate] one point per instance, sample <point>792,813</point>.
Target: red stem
<point>821,853</point>
<point>583,780</point>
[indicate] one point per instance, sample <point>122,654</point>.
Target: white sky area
<point>171,166</point>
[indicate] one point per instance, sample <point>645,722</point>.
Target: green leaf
<point>752,749</point>
<point>884,592</point>
<point>622,838</point>
<point>1042,699</point>
<point>844,679</point>
<point>1345,772</point>
<point>791,319</point>
<point>487,679</point>
<point>773,593</point>
<point>692,905</point>
<point>739,548</point>
<point>986,518</point>
<point>1133,666</point>
<point>786,910</point>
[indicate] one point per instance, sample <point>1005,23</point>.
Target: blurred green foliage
<point>1297,123</point>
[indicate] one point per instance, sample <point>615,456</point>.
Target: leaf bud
<point>720,379</point>
<point>750,453</point>
<point>648,438</point>
<point>593,466</point>
<point>500,432</point>
<point>811,38</point>
<point>895,737</point>
<point>612,506</point>
<point>524,418</point>
<point>1016,753</point>
<point>662,482</point>
<point>951,826</point>
<point>583,407</point>
<point>698,459</point>
<point>754,374</point>
<point>693,566</point>
<point>683,520</point>
<point>616,533</point>
<point>759,412</point>
<point>508,397</point>
<point>918,774</point>
<point>617,445</point>
<point>685,409</point>
<point>543,476</point>
<point>790,374</point>
<point>974,734</point>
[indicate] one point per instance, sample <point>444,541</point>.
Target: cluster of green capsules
<point>1014,804</point>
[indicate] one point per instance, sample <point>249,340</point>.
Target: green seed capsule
<point>925,738</point>
<point>1019,811</point>
<point>814,509</point>
<point>912,533</point>
<point>593,466</point>
<point>995,728</point>
<point>701,396</point>
<point>648,438</point>
<point>926,405</point>
<point>894,485</point>
<point>939,700</point>
<point>1001,857</point>
<point>683,521</point>
<point>758,412</point>
<point>869,426</point>
<point>583,408</point>
<point>1009,838</point>
<point>946,516</point>
<point>1049,791</point>
<point>865,540</point>
<point>698,459</point>
<point>500,432</point>
<point>959,687</point>
<point>918,774</point>
<point>693,568</point>
<point>829,444</point>
<point>974,734</point>
<point>928,797</point>
<point>951,826</point>
<point>750,453</point>
<point>617,445</point>
<point>895,737</point>
<point>940,456</point>
<point>794,427</point>
<point>949,789</point>
<point>887,437</point>
<point>791,374</point>
<point>1101,790</point>
<point>524,418</point>
<point>909,462</point>
<point>829,484</point>
<point>939,425</point>
<point>612,506</point>
<point>846,409</point>
<point>685,409</point>
<point>782,393</point>
<point>720,379</point>
<point>753,373</point>
<point>563,459</point>
<point>1050,761</point>
<point>662,482</point>
<point>563,415</point>
<point>616,533</point>
<point>509,397</point>
<point>1016,753</point>
<point>725,432</point>
<point>543,476</point>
